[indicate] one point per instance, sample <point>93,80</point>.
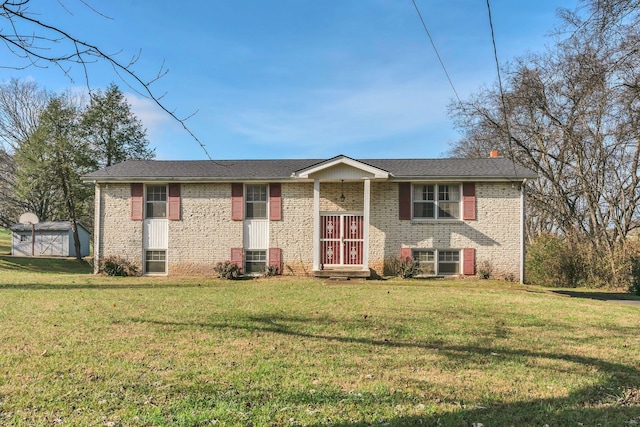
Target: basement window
<point>437,262</point>
<point>255,262</point>
<point>155,262</point>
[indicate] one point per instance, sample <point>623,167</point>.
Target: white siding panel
<point>256,234</point>
<point>342,172</point>
<point>156,233</point>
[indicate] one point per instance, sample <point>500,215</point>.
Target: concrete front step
<point>342,272</point>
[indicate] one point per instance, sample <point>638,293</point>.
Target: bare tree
<point>37,42</point>
<point>572,115</point>
<point>21,104</point>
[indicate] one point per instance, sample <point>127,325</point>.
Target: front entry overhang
<point>341,169</point>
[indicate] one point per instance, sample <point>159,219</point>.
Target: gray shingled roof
<point>45,226</point>
<point>226,170</point>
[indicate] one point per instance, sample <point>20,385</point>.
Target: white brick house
<point>330,217</point>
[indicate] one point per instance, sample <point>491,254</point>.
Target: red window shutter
<point>174,201</point>
<point>469,200</point>
<point>236,256</point>
<point>237,201</point>
<point>137,205</point>
<point>275,259</point>
<point>404,200</point>
<point>469,261</point>
<point>406,253</point>
<point>275,202</point>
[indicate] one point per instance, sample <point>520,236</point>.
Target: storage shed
<point>51,238</point>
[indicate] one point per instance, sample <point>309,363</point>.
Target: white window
<point>255,262</point>
<point>427,261</point>
<point>155,262</point>
<point>256,202</point>
<point>448,261</point>
<point>25,238</point>
<point>436,201</point>
<point>156,201</point>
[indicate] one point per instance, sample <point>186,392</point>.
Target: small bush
<point>634,269</point>
<point>270,271</point>
<point>118,266</point>
<point>402,267</point>
<point>227,270</point>
<point>485,269</point>
<point>551,261</point>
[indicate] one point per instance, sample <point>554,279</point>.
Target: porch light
<point>342,190</point>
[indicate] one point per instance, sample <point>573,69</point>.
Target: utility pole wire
<point>436,51</point>
<point>504,104</point>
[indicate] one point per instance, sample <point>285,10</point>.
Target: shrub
<point>551,261</point>
<point>270,271</point>
<point>634,267</point>
<point>485,269</point>
<point>402,267</point>
<point>227,270</point>
<point>118,266</point>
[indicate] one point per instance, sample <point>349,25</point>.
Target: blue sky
<point>298,78</point>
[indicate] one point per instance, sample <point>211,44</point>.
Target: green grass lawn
<point>5,241</point>
<point>35,265</point>
<point>77,349</point>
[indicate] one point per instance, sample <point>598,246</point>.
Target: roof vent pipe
<point>494,153</point>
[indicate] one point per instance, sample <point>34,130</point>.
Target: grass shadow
<point>45,265</point>
<point>606,401</point>
<point>600,296</point>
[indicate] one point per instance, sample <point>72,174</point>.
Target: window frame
<point>457,262</point>
<point>436,201</point>
<point>247,261</point>
<point>415,253</point>
<point>146,261</point>
<point>254,203</point>
<point>435,263</point>
<point>156,202</point>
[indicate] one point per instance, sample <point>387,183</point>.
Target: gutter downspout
<point>522,242</point>
<point>96,230</point>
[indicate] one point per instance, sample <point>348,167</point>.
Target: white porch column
<point>365,233</point>
<point>316,225</point>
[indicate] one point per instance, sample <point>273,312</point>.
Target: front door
<point>341,239</point>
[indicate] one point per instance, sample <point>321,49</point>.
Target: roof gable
<point>341,167</point>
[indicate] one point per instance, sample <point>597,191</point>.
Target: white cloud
<point>335,117</point>
<point>153,118</point>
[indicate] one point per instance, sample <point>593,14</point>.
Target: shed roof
<point>45,226</point>
<point>284,169</point>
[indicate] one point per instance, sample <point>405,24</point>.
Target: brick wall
<point>294,234</point>
<point>119,236</point>
<point>495,234</point>
<point>205,233</point>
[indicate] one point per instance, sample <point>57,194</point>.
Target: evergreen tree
<point>114,133</point>
<point>54,158</point>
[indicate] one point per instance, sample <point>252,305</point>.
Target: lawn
<point>77,349</point>
<point>5,241</point>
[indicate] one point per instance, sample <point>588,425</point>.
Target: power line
<point>504,104</point>
<point>436,51</point>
